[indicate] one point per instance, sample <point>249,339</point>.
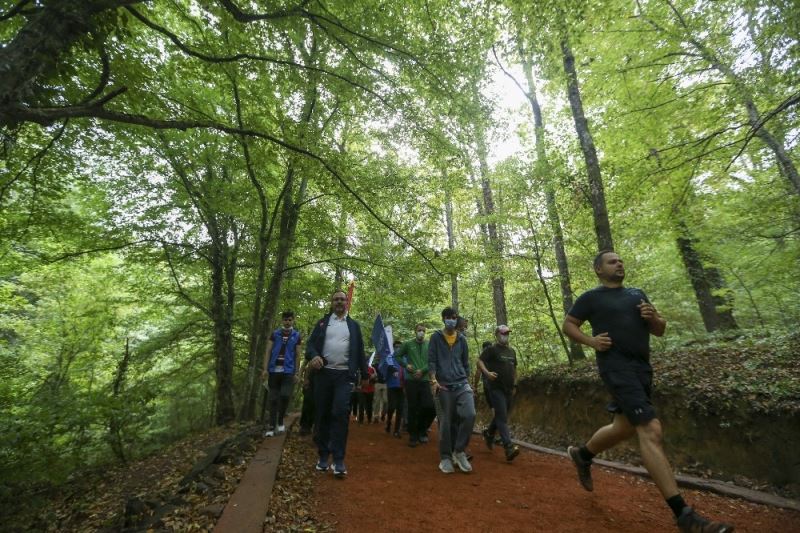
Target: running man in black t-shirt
<point>622,321</point>
<point>498,363</point>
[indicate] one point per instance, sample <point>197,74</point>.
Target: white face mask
<point>420,335</point>
<point>503,339</point>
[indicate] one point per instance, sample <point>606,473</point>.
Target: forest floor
<point>122,496</point>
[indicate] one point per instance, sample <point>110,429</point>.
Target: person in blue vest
<point>281,362</point>
<point>335,351</point>
<point>392,370</point>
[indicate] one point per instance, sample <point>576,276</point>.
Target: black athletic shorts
<point>631,385</point>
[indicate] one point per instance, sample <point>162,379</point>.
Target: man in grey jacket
<point>448,364</point>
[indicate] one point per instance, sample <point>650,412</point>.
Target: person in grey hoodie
<point>448,364</point>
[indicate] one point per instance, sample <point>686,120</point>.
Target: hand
<point>435,387</point>
<point>601,342</point>
<point>297,379</point>
<point>410,367</point>
<point>264,375</point>
<point>492,376</point>
<point>418,374</point>
<point>316,362</point>
<point>646,310</point>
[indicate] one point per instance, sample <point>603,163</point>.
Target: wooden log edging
<point>248,505</point>
<point>690,482</point>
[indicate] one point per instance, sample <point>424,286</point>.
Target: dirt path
<point>391,487</point>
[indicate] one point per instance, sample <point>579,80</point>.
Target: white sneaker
<point>446,466</point>
<point>270,433</point>
<point>281,429</point>
<point>460,459</point>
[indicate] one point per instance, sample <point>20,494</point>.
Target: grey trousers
<point>456,404</point>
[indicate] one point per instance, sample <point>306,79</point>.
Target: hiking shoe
<point>321,466</point>
<point>412,443</point>
<point>423,439</point>
<point>446,466</point>
<point>488,438</point>
<point>281,429</point>
<point>460,459</point>
<point>269,433</point>
<point>396,434</point>
<point>339,470</point>
<point>691,522</point>
<point>512,450</point>
<point>583,467</point>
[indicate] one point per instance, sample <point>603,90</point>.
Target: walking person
<point>622,320</point>
<point>393,373</point>
<point>365,402</point>
<point>413,355</point>
<point>335,351</point>
<point>380,402</point>
<point>498,364</point>
<point>281,360</point>
<point>448,366</point>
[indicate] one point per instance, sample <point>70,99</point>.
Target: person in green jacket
<point>413,355</point>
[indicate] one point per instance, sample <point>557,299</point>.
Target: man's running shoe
<point>583,467</point>
<point>691,522</point>
<point>446,466</point>
<point>270,433</point>
<point>488,438</point>
<point>461,461</point>
<point>512,450</point>
<point>321,466</point>
<point>339,470</point>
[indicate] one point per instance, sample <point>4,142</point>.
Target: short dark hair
<point>449,312</point>
<point>420,324</point>
<point>460,321</point>
<point>287,314</point>
<point>598,259</point>
<point>396,342</point>
<point>486,344</point>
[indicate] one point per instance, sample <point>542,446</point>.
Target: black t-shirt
<point>503,360</point>
<point>613,310</point>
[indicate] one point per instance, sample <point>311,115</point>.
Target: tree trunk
<point>223,339</point>
<point>546,171</point>
<point>716,309</point>
<point>114,422</point>
<point>341,244</point>
<point>451,241</point>
<point>48,34</point>
<point>495,246</point>
<point>602,227</point>
<point>286,237</point>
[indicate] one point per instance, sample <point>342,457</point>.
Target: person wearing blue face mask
<point>448,366</point>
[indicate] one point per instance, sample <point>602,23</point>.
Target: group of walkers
<point>433,378</point>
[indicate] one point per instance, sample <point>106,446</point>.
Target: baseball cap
<point>502,328</point>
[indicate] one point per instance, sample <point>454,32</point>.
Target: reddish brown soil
<point>391,487</point>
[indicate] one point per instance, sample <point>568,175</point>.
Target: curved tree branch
<point>245,56</point>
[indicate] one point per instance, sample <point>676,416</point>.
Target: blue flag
<point>380,340</point>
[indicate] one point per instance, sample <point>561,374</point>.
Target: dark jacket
<point>451,365</point>
<point>357,360</point>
